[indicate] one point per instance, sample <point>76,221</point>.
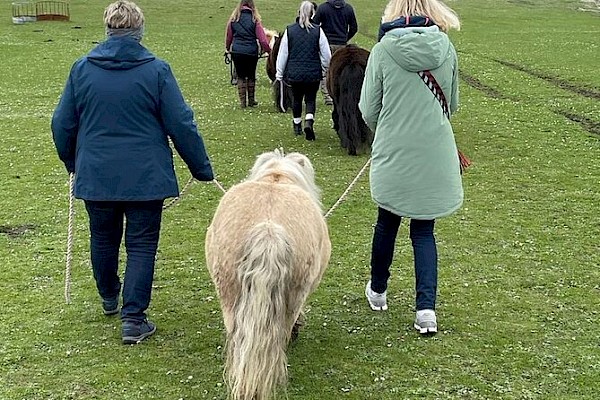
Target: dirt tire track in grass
<point>586,123</point>
<point>592,93</point>
<point>477,84</point>
<point>468,79</point>
<point>16,231</point>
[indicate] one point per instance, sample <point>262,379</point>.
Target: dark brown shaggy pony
<point>282,93</point>
<point>344,82</point>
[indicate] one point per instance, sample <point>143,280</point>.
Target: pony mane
<point>271,35</point>
<point>294,166</point>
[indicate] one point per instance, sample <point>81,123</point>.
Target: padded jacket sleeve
<point>454,97</point>
<point>178,120</point>
<point>371,95</point>
<point>65,125</point>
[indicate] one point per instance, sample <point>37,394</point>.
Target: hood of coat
<point>120,53</point>
<point>417,48</point>
<point>337,3</point>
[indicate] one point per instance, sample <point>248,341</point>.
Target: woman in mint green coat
<point>415,171</point>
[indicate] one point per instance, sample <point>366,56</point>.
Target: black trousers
<point>307,92</point>
<point>245,65</point>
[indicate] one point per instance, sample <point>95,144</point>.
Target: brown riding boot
<point>251,90</point>
<point>241,85</point>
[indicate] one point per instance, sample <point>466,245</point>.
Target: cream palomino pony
<point>266,249</point>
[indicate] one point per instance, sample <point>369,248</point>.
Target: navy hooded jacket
<point>120,106</point>
<point>338,21</point>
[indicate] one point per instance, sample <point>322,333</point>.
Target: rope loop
<point>174,200</point>
<point>70,239</point>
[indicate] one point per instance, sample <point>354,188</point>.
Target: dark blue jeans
<point>424,250</point>
<point>142,231</point>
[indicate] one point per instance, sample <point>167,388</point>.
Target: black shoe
<point>298,128</point>
<point>110,306</point>
<point>133,332</point>
<point>308,129</point>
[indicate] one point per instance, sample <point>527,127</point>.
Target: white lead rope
<point>172,202</point>
<point>70,239</point>
<point>337,203</point>
<point>183,191</point>
<point>343,196</point>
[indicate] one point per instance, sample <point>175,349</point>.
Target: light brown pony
<point>266,249</point>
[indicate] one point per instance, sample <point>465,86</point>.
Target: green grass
<point>519,278</point>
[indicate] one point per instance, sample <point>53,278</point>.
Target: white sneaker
<point>426,322</point>
<point>377,301</point>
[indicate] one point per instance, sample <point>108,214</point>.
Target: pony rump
<point>294,166</point>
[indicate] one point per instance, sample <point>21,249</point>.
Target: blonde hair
<point>235,15</point>
<point>123,15</point>
<point>306,12</point>
<point>442,15</point>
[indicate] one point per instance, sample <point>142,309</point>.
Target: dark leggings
<point>245,65</point>
<point>424,250</point>
<point>306,91</point>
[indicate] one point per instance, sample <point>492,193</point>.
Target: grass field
<point>519,288</point>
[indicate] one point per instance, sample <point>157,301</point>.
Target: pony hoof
<point>295,332</point>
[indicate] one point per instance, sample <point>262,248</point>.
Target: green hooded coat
<point>415,168</point>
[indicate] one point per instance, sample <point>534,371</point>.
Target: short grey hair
<point>123,14</point>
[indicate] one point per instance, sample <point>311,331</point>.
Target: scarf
<point>135,33</point>
<point>404,22</point>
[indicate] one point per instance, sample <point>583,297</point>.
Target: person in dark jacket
<point>111,128</point>
<point>338,21</point>
<point>245,39</point>
<point>303,56</point>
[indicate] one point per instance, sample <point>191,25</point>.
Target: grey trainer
<point>377,301</point>
<point>426,322</point>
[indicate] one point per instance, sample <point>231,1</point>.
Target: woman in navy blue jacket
<point>120,106</point>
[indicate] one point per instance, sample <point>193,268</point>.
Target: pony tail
<point>256,360</point>
<point>358,135</point>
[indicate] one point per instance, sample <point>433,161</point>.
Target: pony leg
<point>300,322</point>
<point>335,117</point>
